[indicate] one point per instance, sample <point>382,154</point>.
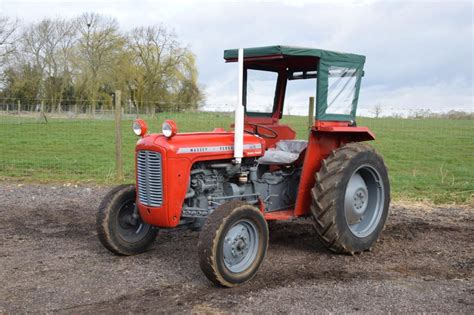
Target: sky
<point>420,54</point>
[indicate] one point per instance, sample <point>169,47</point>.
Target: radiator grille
<point>149,178</point>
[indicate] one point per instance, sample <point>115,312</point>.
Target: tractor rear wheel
<point>119,226</point>
<point>350,198</point>
<point>233,243</point>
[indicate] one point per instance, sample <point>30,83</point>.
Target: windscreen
<point>260,91</point>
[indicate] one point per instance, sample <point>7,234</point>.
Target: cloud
<point>418,53</point>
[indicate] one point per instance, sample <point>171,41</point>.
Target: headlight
<point>169,128</point>
<point>139,127</point>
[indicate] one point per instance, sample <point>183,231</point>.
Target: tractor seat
<point>285,152</point>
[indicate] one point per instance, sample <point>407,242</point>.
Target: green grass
<point>427,159</point>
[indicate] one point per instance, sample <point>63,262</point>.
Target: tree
<point>7,41</point>
<point>164,72</point>
<point>188,94</point>
<point>88,58</point>
<point>98,46</point>
<point>21,83</point>
<point>377,110</point>
<point>48,46</point>
<point>7,37</point>
<point>67,36</point>
<point>153,55</point>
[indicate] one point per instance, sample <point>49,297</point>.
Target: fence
<point>72,143</point>
<point>427,158</point>
<point>85,108</point>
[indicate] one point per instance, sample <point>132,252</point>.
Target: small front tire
<point>233,244</point>
<point>119,226</point>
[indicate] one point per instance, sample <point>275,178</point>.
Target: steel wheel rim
<point>240,246</point>
<point>130,231</point>
<point>364,201</point>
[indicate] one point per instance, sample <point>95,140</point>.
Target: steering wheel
<point>271,135</point>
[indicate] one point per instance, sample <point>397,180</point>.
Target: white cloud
<point>419,54</point>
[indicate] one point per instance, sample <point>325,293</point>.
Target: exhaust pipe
<point>239,114</point>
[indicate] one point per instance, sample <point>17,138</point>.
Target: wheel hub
<point>355,199</point>
<point>360,200</point>
<point>240,246</point>
<point>127,221</point>
<point>363,201</point>
<point>130,227</point>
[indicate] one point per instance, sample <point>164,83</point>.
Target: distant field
<point>427,159</point>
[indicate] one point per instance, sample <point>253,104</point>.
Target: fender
<point>178,154</point>
<point>344,130</point>
<point>323,139</point>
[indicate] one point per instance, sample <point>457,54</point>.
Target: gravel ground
<point>52,261</point>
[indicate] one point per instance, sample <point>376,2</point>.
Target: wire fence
<point>428,158</point>
<point>79,108</point>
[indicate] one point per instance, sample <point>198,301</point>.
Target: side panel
<point>323,111</point>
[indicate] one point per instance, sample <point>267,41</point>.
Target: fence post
<point>310,113</point>
<point>43,115</point>
<point>118,135</point>
<point>19,107</point>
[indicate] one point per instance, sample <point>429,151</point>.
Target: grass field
<point>427,159</point>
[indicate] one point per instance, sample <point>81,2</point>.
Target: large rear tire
<point>350,199</point>
<point>233,244</point>
<point>119,226</point>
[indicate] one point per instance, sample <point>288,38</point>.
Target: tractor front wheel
<point>233,243</point>
<point>119,226</point>
<point>350,198</point>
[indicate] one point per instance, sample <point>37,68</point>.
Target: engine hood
<point>201,144</point>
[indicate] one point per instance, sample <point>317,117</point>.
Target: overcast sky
<point>419,53</point>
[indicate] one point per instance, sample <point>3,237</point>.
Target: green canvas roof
<point>324,55</point>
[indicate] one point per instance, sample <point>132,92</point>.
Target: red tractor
<point>229,184</point>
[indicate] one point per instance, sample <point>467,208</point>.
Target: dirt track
<point>51,261</point>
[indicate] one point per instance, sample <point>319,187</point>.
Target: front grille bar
<point>149,178</point>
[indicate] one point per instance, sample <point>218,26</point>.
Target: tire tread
<point>324,194</point>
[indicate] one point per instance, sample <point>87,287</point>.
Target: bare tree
<point>67,33</point>
<point>48,46</point>
<point>31,52</point>
<point>8,29</point>
<point>377,110</point>
<point>7,37</point>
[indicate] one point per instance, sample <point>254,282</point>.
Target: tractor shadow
<point>297,235</point>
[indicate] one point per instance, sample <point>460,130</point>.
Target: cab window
<point>260,91</point>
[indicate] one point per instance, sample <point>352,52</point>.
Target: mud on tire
<point>338,198</point>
